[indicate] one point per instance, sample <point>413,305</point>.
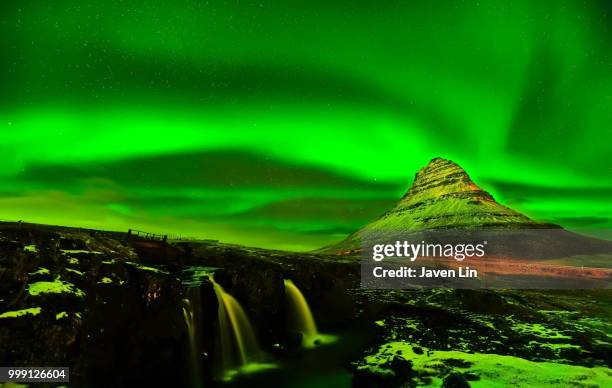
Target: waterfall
<point>190,322</point>
<point>301,318</point>
<point>237,343</point>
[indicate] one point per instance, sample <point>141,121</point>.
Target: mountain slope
<point>444,198</point>
<point>443,195</point>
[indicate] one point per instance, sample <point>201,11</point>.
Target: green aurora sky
<point>290,124</point>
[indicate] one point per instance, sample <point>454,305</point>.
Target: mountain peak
<point>443,177</point>
<point>437,165</point>
<point>442,196</point>
<point>439,159</point>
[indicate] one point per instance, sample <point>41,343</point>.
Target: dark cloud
<point>354,211</point>
<point>216,169</point>
<point>521,192</point>
<point>582,221</point>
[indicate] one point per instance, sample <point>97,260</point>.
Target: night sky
<point>290,124</point>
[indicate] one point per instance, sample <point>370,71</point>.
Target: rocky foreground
<point>109,307</point>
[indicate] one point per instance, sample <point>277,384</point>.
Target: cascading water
<point>188,314</point>
<point>237,349</point>
<point>192,278</point>
<point>301,318</point>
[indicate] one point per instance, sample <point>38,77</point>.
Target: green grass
<point>20,313</point>
<point>55,287</point>
<point>494,370</point>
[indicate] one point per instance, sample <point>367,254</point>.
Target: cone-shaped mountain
<point>444,197</point>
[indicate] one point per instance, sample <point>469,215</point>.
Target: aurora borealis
<point>290,124</point>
